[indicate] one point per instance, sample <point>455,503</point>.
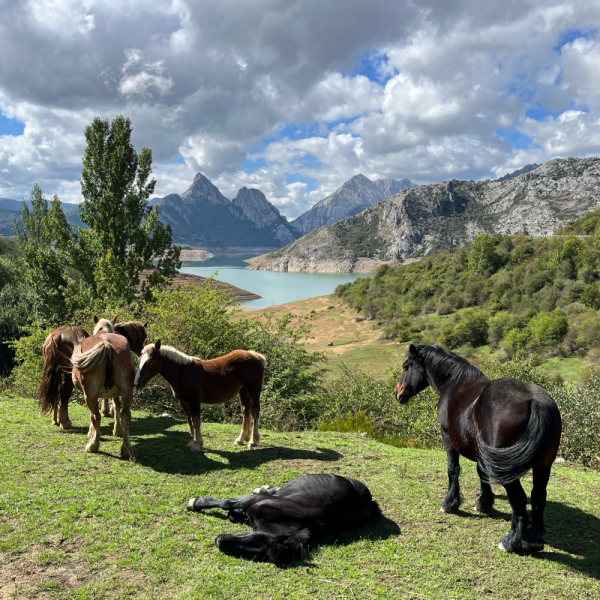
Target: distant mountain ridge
<point>203,216</point>
<point>9,211</point>
<point>354,196</point>
<point>422,220</point>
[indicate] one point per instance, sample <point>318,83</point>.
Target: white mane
<point>172,353</point>
<point>105,325</point>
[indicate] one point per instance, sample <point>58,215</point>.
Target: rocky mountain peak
<point>203,188</point>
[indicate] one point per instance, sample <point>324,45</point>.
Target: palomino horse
<point>102,368</point>
<point>57,383</point>
<point>506,426</point>
<point>195,382</point>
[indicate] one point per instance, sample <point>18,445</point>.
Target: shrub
<point>549,327</point>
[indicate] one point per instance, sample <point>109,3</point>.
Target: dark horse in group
<point>506,426</point>
<point>57,384</point>
<point>284,520</point>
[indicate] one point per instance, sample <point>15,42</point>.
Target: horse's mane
<point>102,323</point>
<point>172,353</point>
<point>445,364</point>
<point>134,331</point>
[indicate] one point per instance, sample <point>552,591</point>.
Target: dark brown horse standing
<point>57,384</point>
<point>195,382</point>
<point>102,368</point>
<point>506,426</point>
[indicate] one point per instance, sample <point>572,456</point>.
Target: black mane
<point>448,367</point>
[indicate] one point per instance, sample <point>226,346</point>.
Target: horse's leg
<point>242,503</point>
<point>486,499</point>
<point>118,428</point>
<point>255,410</point>
<point>95,418</point>
<point>541,475</point>
<point>451,502</point>
<point>65,395</point>
<point>246,404</point>
<point>126,400</point>
<point>106,407</point>
<point>197,442</point>
<point>517,539</point>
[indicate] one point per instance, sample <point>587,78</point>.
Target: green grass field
<point>77,525</point>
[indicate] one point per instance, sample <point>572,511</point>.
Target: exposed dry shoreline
<point>333,265</point>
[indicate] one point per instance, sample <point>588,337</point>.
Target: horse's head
<point>104,325</point>
<point>413,378</point>
<point>150,364</point>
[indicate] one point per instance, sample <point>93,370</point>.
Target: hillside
<point>354,196</point>
<point>423,220</point>
<point>77,525</point>
<point>9,211</point>
<point>202,216</point>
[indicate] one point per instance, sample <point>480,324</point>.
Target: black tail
<point>505,465</point>
<point>49,391</point>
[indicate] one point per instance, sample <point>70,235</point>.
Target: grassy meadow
<point>92,526</point>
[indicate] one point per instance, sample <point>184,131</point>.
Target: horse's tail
<point>505,465</point>
<point>49,391</point>
<point>100,354</point>
<point>262,358</point>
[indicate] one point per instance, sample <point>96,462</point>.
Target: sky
<point>296,96</point>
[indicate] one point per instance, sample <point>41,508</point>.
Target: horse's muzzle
<point>399,393</point>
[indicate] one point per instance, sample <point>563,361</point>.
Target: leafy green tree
<point>549,327</point>
<point>43,276</point>
<point>483,257</point>
<point>123,235</point>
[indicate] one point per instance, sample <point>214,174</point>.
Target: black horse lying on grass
<point>285,519</point>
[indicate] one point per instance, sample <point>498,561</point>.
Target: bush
<point>469,327</point>
<point>549,327</point>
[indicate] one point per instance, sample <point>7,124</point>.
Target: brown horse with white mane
<point>195,382</point>
<point>57,383</point>
<point>102,368</point>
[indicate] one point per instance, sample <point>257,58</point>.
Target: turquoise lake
<point>275,288</point>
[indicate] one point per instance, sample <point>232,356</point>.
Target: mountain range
<point>422,220</point>
<point>354,196</point>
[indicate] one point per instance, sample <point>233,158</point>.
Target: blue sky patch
<point>11,126</point>
<point>176,160</point>
<point>311,182</point>
<point>516,138</point>
<point>567,36</point>
<point>370,64</point>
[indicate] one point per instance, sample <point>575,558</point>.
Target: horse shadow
<point>572,532</point>
<point>168,452</point>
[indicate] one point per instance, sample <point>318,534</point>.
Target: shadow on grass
<point>571,531</point>
<point>168,452</point>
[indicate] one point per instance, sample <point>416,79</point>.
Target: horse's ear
<point>146,325</point>
<point>412,349</point>
<point>114,319</point>
<point>96,319</point>
<point>157,345</point>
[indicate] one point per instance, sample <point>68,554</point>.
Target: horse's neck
<point>444,382</point>
<point>171,371</point>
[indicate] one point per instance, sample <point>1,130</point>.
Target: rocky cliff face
<point>428,218</point>
<point>203,216</point>
<point>252,205</point>
<point>357,194</point>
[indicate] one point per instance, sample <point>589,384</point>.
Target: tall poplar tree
<point>123,235</point>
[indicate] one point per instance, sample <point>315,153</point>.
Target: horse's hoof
<point>127,453</point>
<point>190,504</point>
<point>92,447</point>
<point>66,425</point>
<point>501,546</point>
<point>118,431</point>
<point>252,444</point>
<point>238,442</point>
<point>195,448</point>
<point>449,511</point>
